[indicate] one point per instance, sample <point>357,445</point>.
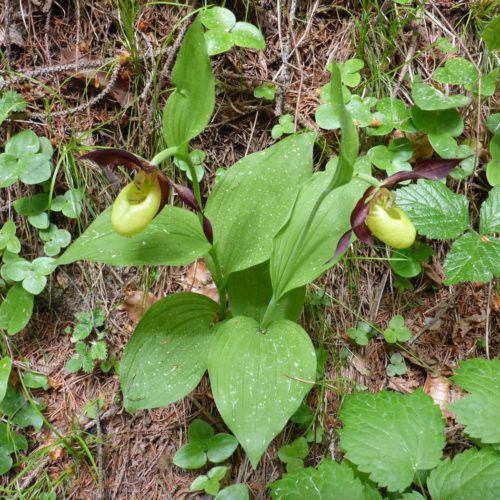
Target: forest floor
<point>133,453</point>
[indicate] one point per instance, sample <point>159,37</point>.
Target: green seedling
<point>233,492</point>
<point>397,366</point>
<point>285,125</point>
<point>27,158</point>
<point>70,203</point>
<point>265,91</point>
<point>11,102</point>
<point>210,483</point>
<point>397,331</point>
<point>361,334</point>
<point>55,239</point>
<point>197,157</point>
<point>32,275</point>
<point>407,263</point>
<point>8,239</point>
<point>293,454</point>
<point>204,445</point>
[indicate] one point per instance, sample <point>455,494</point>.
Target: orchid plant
<point>269,227</point>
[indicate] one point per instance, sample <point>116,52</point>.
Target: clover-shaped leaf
<point>293,454</point>
<point>32,205</point>
<point>8,239</point>
<point>265,91</point>
<point>210,483</point>
<point>31,274</point>
<point>203,444</point>
<point>361,334</point>
<point>407,262</point>
<point>397,331</point>
<point>16,309</point>
<point>218,42</point>
<point>393,158</point>
<point>493,123</point>
<point>285,125</point>
<point>70,204</point>
<point>390,114</point>
<point>349,71</point>
<point>445,46</point>
<point>55,239</point>
<point>197,158</point>
<point>397,365</point>
<point>25,159</point>
<point>429,98</point>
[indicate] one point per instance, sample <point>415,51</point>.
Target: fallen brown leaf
<point>438,388</point>
<point>199,280</point>
<point>137,303</point>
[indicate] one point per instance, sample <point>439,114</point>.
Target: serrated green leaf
<point>436,211</point>
<point>218,18</point>
<point>181,325</point>
<point>329,481</point>
<point>257,395</point>
<point>258,191</point>
<point>189,108</point>
<point>16,309</point>
<point>471,474</point>
<point>74,364</point>
<point>410,444</point>
<point>446,121</point>
<point>174,237</point>
<point>248,36</point>
<point>472,258</point>
<point>99,350</point>
<point>429,98</point>
<point>479,412</point>
<point>490,213</point>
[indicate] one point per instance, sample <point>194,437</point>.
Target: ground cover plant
<point>269,227</point>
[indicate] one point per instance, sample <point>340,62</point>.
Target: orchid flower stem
<point>163,155</point>
<point>367,178</point>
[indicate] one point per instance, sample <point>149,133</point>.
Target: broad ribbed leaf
<point>471,474</point>
<point>167,354</point>
<point>480,410</point>
<point>189,108</point>
<point>294,264</point>
<point>392,436</point>
<point>257,378</point>
<point>490,213</point>
<point>173,238</point>
<point>250,292</point>
<point>472,258</point>
<point>436,211</point>
<point>252,201</point>
<point>329,481</point>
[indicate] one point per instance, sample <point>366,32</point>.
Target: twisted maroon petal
<point>114,157</point>
<point>187,196</point>
<point>207,230</point>
<point>433,169</point>
<point>343,243</point>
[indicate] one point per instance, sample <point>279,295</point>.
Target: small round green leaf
<point>220,447</point>
<point>248,35</point>
<point>493,173</point>
<point>218,18</point>
<point>190,456</point>
<point>22,143</point>
<point>493,123</point>
<point>218,41</point>
<point>234,492</point>
<point>265,91</point>
<point>448,121</point>
<point>429,98</point>
<point>200,433</point>
<point>456,71</point>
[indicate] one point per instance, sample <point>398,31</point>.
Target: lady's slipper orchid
<point>376,214</point>
<point>141,200</point>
